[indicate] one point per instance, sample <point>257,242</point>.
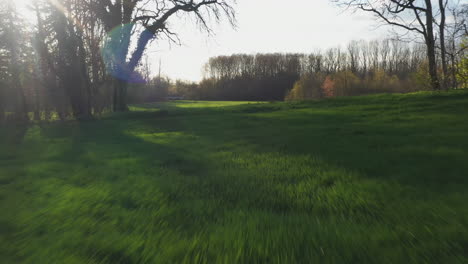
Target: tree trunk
<point>77,91</point>
<point>71,68</point>
<point>143,40</point>
<point>2,104</point>
<point>442,45</point>
<point>37,103</point>
<point>454,71</point>
<point>430,42</point>
<point>120,96</point>
<point>21,113</point>
<point>435,84</point>
<point>77,87</point>
<point>58,99</point>
<point>120,86</point>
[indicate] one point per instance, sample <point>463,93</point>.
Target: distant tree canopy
<point>380,66</point>
<point>362,67</point>
<point>251,77</point>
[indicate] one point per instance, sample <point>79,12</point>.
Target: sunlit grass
<point>196,105</point>
<point>206,104</point>
<point>376,179</point>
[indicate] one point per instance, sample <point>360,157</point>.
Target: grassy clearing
<point>375,179</point>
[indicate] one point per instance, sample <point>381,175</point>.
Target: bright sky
<point>264,26</point>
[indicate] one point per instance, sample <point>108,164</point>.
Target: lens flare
<point>114,52</point>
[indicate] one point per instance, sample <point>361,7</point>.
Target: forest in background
<point>77,58</point>
<point>386,66</point>
<point>82,58</point>
<point>362,67</point>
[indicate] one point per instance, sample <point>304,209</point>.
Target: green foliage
<point>462,74</point>
<point>375,179</point>
<point>308,87</point>
<point>421,80</point>
<point>346,83</point>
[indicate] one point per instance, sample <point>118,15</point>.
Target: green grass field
<point>375,179</point>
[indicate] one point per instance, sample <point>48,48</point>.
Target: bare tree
<point>412,16</point>
<point>353,53</point>
<point>457,31</point>
<point>153,16</point>
<point>443,51</point>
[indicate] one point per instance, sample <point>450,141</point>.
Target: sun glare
<point>23,3</point>
<point>25,8</point>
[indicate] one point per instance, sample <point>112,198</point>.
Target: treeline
<point>162,88</point>
<point>79,58</point>
<point>359,68</point>
<point>250,77</point>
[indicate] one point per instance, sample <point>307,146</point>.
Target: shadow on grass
<point>421,139</point>
<point>279,183</point>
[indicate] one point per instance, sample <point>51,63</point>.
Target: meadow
<point>372,179</point>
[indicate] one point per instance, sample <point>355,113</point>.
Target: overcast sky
<point>263,26</point>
